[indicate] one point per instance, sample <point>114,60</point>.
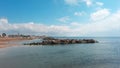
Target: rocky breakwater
<point>53,41</point>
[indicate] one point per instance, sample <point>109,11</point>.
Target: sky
<point>60,17</point>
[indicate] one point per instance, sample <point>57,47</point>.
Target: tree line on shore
<point>3,35</point>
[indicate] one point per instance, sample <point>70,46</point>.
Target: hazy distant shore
<point>5,42</point>
<point>13,41</point>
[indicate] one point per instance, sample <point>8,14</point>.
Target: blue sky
<point>61,17</point>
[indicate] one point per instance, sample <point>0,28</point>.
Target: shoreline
<point>6,42</point>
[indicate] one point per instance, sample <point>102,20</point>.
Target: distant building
<point>13,36</point>
<point>22,36</point>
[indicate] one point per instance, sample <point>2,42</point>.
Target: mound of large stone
<point>53,41</point>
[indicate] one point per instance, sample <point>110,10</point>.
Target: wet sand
<point>5,42</point>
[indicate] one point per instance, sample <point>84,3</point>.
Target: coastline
<point>14,41</point>
<point>5,42</point>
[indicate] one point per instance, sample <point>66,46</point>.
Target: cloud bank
<point>110,24</point>
<point>32,28</point>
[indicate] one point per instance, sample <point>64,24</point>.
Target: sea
<point>105,54</point>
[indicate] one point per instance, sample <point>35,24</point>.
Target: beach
<point>6,41</point>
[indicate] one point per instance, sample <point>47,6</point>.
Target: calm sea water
<point>105,54</point>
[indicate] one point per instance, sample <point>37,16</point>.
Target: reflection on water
<point>105,54</point>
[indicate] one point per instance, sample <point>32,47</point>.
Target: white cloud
<point>109,26</point>
<point>3,20</point>
<point>100,3</point>
<point>78,2</point>
<point>72,2</point>
<point>79,13</point>
<point>88,2</point>
<point>33,28</point>
<point>76,24</point>
<point>100,14</point>
<point>64,19</point>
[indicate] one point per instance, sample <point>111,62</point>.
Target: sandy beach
<point>5,42</point>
